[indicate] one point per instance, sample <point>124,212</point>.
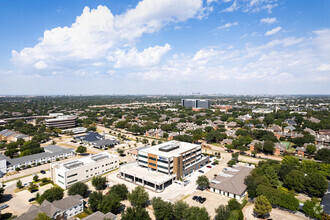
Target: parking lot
<point>212,201</point>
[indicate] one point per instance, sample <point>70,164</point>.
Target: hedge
<point>277,197</point>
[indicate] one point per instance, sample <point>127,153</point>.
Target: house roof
<point>326,203</point>
<point>105,142</point>
<point>231,180</point>
<point>51,208</point>
<point>100,216</point>
<point>59,150</point>
<point>90,137</point>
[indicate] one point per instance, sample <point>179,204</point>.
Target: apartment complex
<point>159,165</point>
<point>63,121</point>
<point>196,103</point>
<point>52,152</point>
<point>67,173</point>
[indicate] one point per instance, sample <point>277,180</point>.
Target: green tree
<point>315,184</point>
<point>120,189</point>
<point>35,178</point>
<point>269,147</point>
<point>308,208</point>
<point>295,180</point>
<point>99,182</point>
<point>52,194</point>
<point>2,190</point>
<point>138,196</point>
<point>81,149</point>
<point>196,213</point>
<point>110,203</point>
<point>162,209</point>
<point>135,213</point>
<point>79,188</point>
<point>262,206</point>
<point>222,212</point>
<point>203,182</point>
<point>233,204</point>
<point>179,208</point>
<point>323,155</point>
<point>94,199</point>
<point>231,163</point>
<point>42,216</point>
<point>310,148</point>
<point>19,184</point>
<point>234,155</point>
<point>290,160</point>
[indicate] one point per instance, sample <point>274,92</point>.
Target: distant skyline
<point>164,47</point>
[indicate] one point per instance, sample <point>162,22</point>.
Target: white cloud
<point>324,67</point>
<point>268,20</point>
<point>96,33</point>
<point>273,31</point>
<point>228,25</point>
<point>281,60</point>
<point>232,8</point>
<point>147,57</point>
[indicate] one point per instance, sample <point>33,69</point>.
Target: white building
<point>52,152</point>
<point>65,121</point>
<point>82,169</point>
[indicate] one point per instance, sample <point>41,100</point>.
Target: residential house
<point>252,145</point>
<point>279,149</point>
<point>100,216</point>
<point>61,209</point>
<point>12,136</point>
<point>289,128</point>
<point>300,151</point>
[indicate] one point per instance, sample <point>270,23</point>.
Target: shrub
<point>277,197</point>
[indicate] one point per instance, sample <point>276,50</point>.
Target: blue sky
<point>164,47</point>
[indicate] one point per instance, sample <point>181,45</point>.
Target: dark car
<point>208,166</point>
<point>32,199</point>
<point>194,198</point>
<point>202,200</point>
<point>201,171</point>
<point>198,198</point>
<point>42,171</point>
<point>34,190</point>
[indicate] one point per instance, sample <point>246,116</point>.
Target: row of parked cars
<point>199,199</point>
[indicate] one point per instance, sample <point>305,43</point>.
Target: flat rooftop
<point>147,174</point>
<point>170,148</point>
<point>87,160</point>
<point>63,117</point>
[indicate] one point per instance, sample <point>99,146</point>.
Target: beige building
<point>82,169</point>
<point>65,121</point>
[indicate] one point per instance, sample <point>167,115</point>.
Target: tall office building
<point>196,103</point>
<point>65,121</point>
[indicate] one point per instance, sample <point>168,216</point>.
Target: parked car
<point>194,197</point>
<point>42,171</point>
<point>201,171</point>
<point>34,190</point>
<point>198,198</point>
<point>32,199</point>
<point>202,200</point>
<point>4,206</point>
<point>208,166</point>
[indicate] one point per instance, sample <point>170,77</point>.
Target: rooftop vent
<point>169,147</point>
<point>73,164</point>
<point>99,157</point>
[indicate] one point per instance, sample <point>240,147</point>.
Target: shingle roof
<point>33,157</point>
<point>105,142</point>
<point>100,216</point>
<point>232,182</point>
<point>90,137</point>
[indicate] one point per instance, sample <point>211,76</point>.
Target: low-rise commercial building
<point>230,182</point>
<point>67,173</point>
<point>65,121</point>
<point>12,136</point>
<point>96,140</point>
<point>159,165</point>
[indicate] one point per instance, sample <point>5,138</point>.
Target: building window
<point>60,175</point>
<point>73,175</point>
<point>72,181</point>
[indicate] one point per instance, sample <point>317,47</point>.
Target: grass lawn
<point>286,143</point>
<point>216,144</point>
